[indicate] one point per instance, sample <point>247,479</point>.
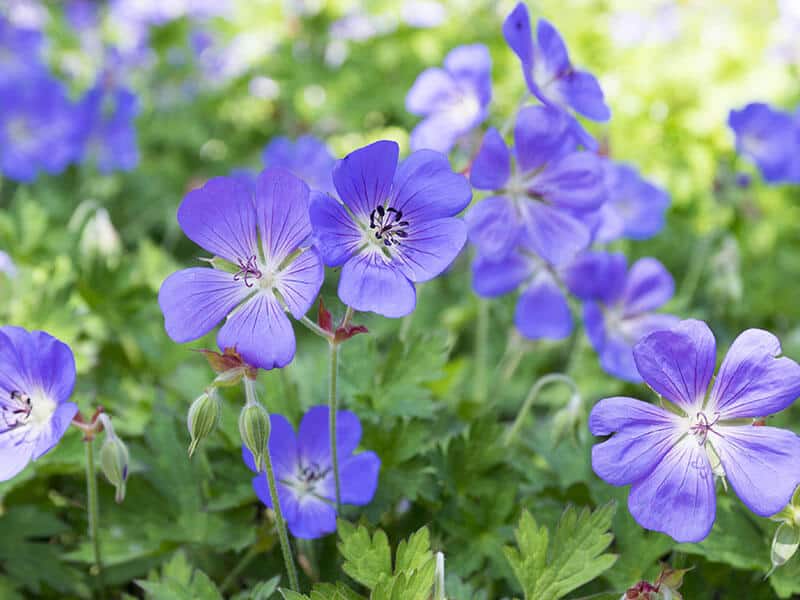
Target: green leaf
<point>365,558</point>
<point>180,581</point>
<point>550,569</point>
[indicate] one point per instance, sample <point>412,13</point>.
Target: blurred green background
<point>92,251</point>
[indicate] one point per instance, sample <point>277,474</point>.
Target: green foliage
<point>550,569</point>
<point>178,580</point>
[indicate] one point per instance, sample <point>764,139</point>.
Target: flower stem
<point>315,328</point>
<point>93,505</point>
<point>280,525</point>
<point>531,398</point>
<point>333,402</point>
<point>481,381</point>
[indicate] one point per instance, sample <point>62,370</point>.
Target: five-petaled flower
<point>453,99</point>
<point>37,374</point>
<point>549,72</point>
<point>304,472</point>
<point>670,457</point>
<point>260,232</point>
<point>394,226</point>
<point>619,305</point>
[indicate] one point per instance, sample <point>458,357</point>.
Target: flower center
<point>307,477</point>
<point>702,425</point>
<point>388,225</point>
<point>248,269</point>
<point>15,411</point>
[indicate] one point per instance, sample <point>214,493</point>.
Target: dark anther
<point>248,269</point>
<point>388,223</point>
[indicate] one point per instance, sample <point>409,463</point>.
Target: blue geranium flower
<point>304,472</point>
<point>394,226</point>
<point>453,99</point>
<point>635,207</point>
<point>543,198</point>
<point>37,374</point>
<point>769,137</point>
<point>549,73</point>
<point>38,128</point>
<point>670,457</point>
<point>260,233</point>
<point>619,304</point>
<point>308,158</point>
<point>106,114</point>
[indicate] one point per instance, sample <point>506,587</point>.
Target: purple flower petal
<point>492,165</point>
<point>615,414</point>
<point>358,476</point>
<point>220,217</point>
<point>299,282</point>
<point>491,278</point>
<point>678,364</point>
<point>260,332</point>
<point>597,276</point>
<point>282,205</point>
<point>336,235</point>
<point>431,246</point>
<point>761,464</point>
<point>40,360</point>
<point>554,53</point>
<point>575,182</point>
<point>308,158</point>
<point>517,31</point>
<point>282,448</point>
<point>753,381</point>
<point>15,458</point>
<point>313,436</point>
<point>369,283</point>
<point>553,234</point>
<point>649,286</point>
<point>543,311</point>
<point>195,300</point>
<point>635,451</point>
<point>471,65</point>
<point>315,518</point>
<point>438,132</point>
<point>678,497</point>
<point>55,429</point>
<point>492,227</point>
<point>582,92</point>
<point>433,89</point>
<point>425,188</point>
<point>542,134</point>
<point>364,177</point>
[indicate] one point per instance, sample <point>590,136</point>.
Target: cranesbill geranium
<point>106,114</point>
<point>620,304</point>
<point>453,99</point>
<point>394,226</point>
<point>38,128</point>
<point>670,456</point>
<point>635,207</point>
<point>769,137</point>
<point>304,473</point>
<point>549,72</point>
<point>37,374</point>
<point>307,157</point>
<point>259,233</point>
<point>542,196</point>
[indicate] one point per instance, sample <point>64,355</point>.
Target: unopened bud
<point>254,427</point>
<point>203,418</point>
<point>784,544</point>
<point>114,459</point>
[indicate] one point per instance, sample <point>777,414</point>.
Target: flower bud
<point>254,427</point>
<point>784,544</point>
<point>114,459</point>
<point>203,417</point>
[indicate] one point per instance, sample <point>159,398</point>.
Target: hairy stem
<point>280,525</point>
<point>93,505</point>
<point>315,328</point>
<point>333,402</point>
<point>531,398</point>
